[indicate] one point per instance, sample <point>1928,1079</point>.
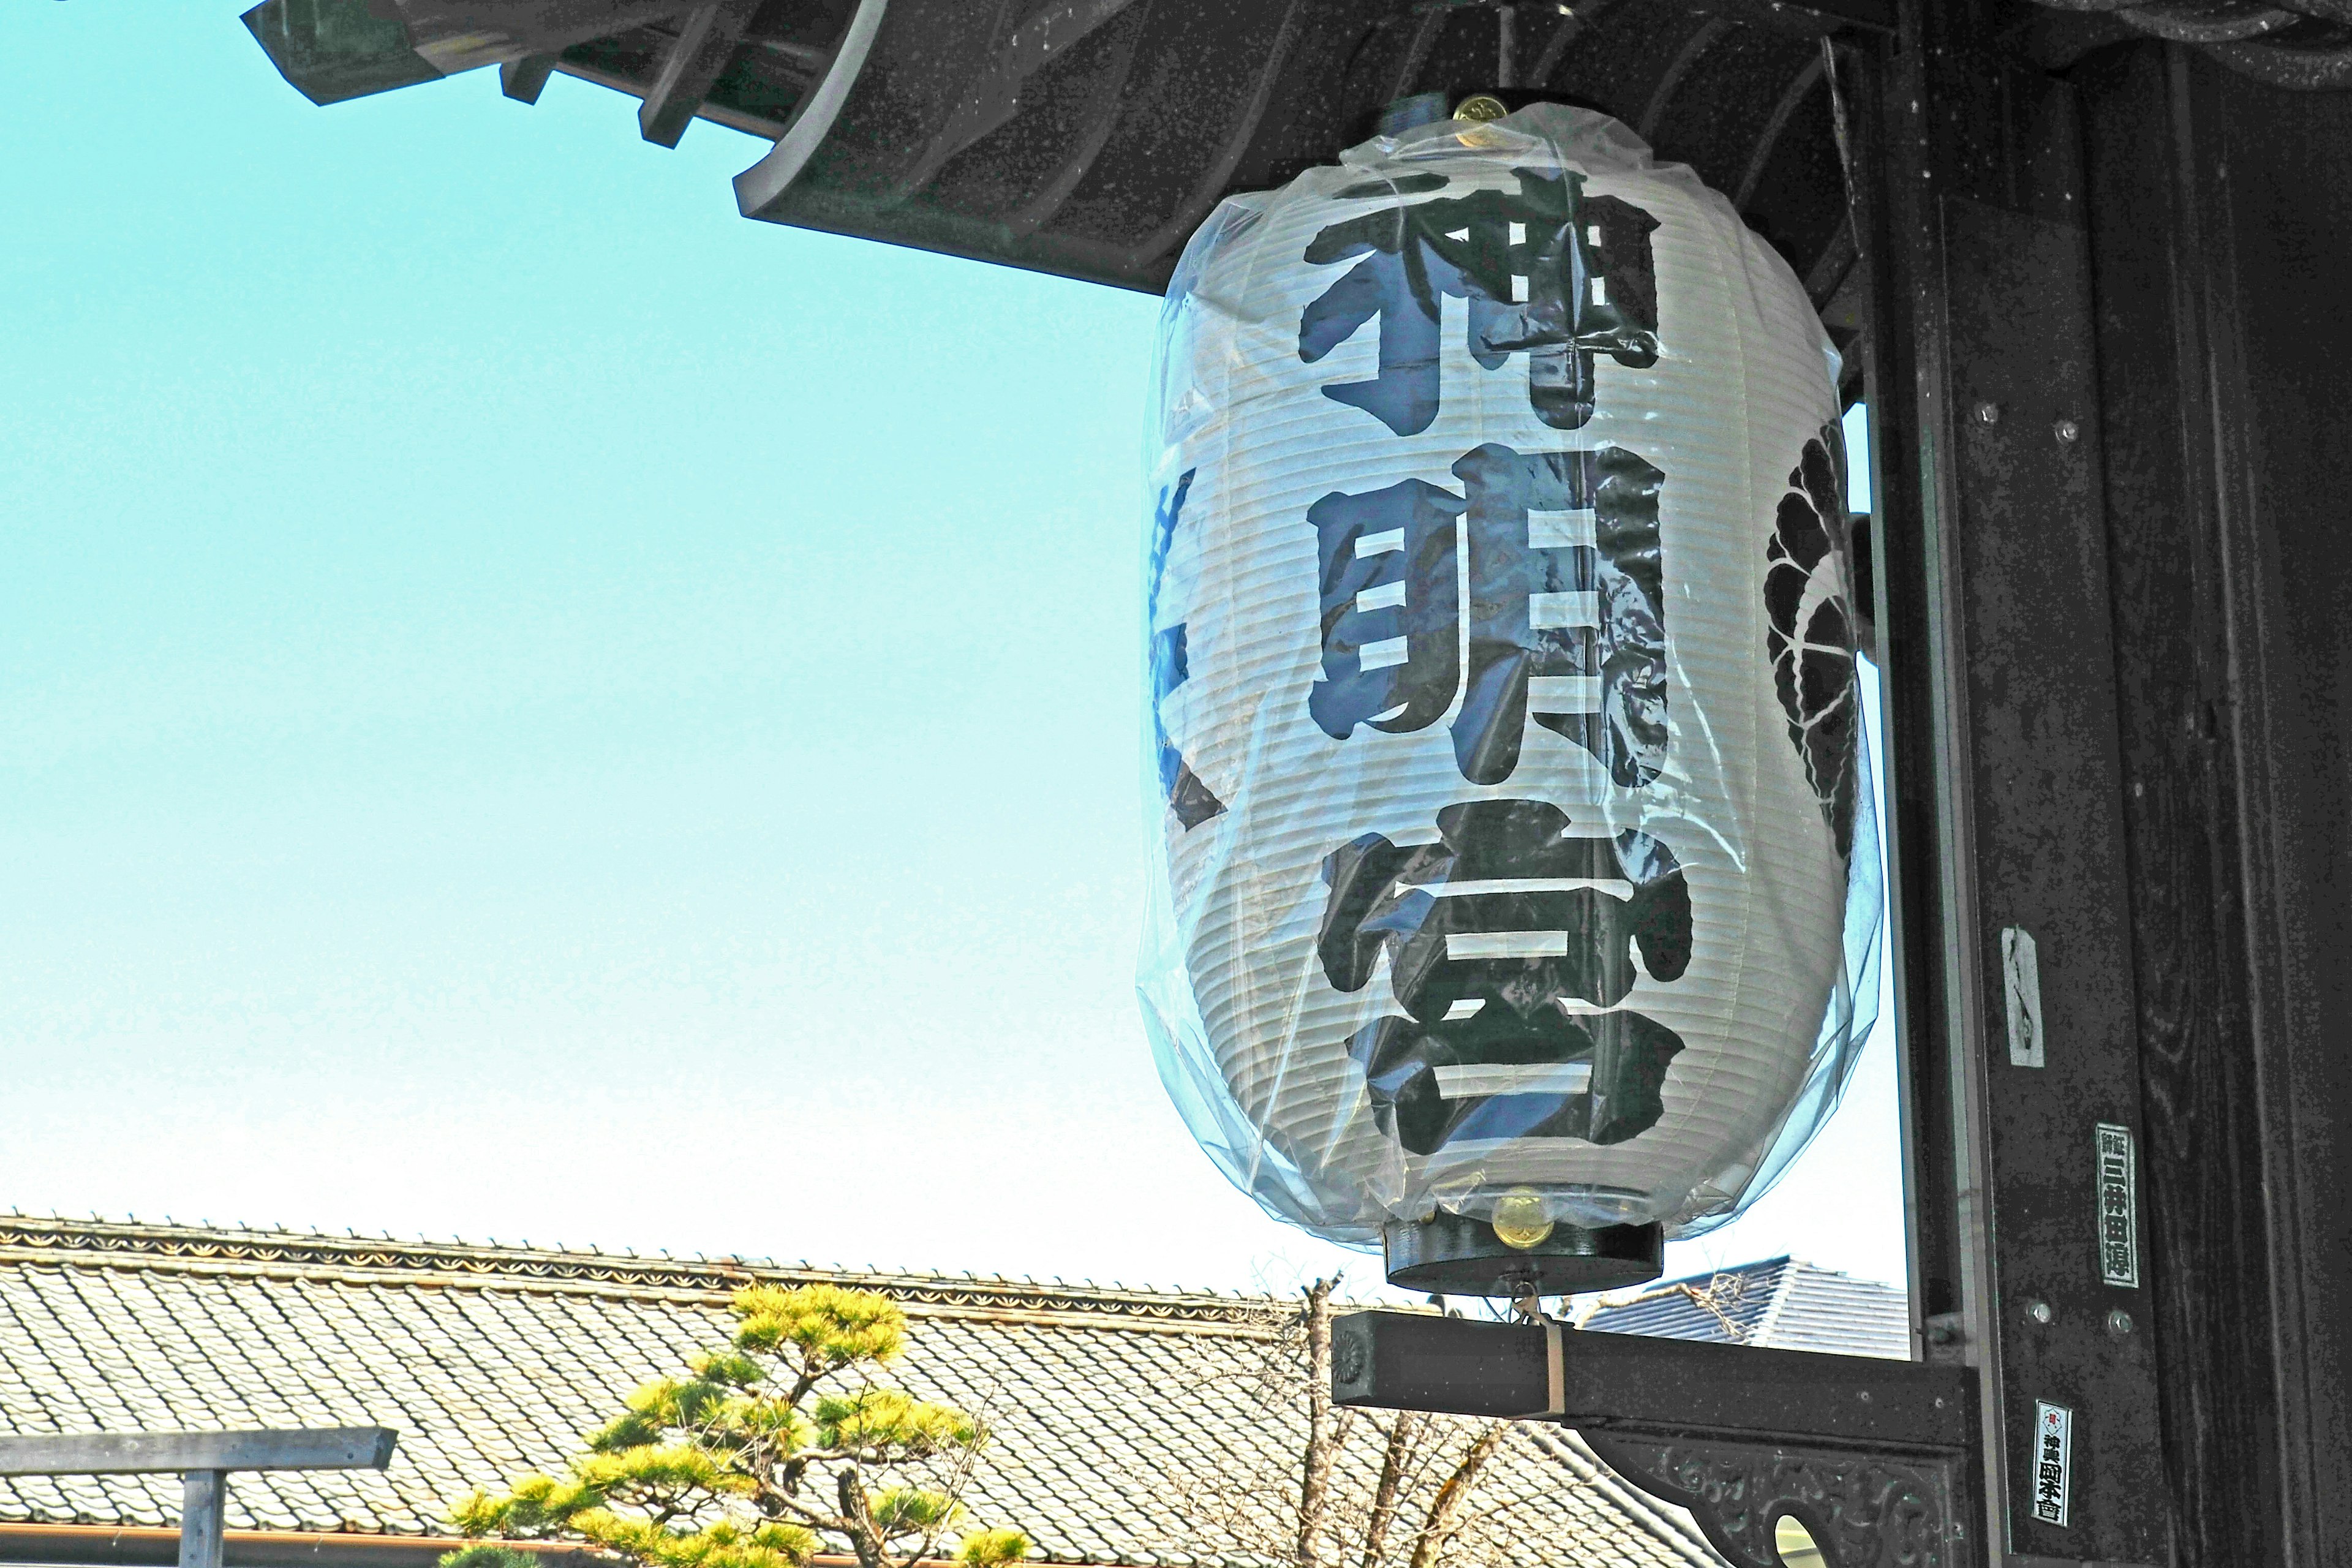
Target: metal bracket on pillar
<point>1863,1510</point>
<point>1871,1456</point>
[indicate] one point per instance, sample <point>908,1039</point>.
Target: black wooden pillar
<point>2222,223</point>
<point>2017,961</point>
<point>2110,366</point>
<point>2112,376</point>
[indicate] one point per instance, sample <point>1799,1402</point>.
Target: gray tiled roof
<point>1781,1304</point>
<point>1131,1427</point>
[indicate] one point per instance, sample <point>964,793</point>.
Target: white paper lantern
<point>1512,840</point>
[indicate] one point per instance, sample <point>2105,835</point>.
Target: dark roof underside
<point>1090,137</point>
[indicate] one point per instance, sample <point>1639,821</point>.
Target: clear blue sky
<point>534,707</point>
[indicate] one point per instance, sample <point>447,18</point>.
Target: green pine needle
<point>992,1548</point>
<point>486,1557</point>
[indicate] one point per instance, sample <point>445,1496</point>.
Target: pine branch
<point>1445,1512</point>
<point>967,1459</point>
<point>1395,1459</point>
<point>816,1519</point>
<point>811,1374</point>
<point>1322,1435</point>
<point>864,1539</point>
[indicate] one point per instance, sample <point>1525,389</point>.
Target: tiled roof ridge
<point>1750,1269</point>
<point>1650,1290</point>
<point>1784,1287</point>
<point>386,1259</point>
<point>1704,1291</point>
<point>1818,1272</point>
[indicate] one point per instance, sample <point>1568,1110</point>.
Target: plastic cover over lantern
<point>1514,859</point>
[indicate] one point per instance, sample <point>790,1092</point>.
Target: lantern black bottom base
<point>1451,1255</point>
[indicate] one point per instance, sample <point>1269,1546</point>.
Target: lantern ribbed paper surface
<point>1510,820</point>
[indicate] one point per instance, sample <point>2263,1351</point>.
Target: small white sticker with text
<point>2118,1206</point>
<point>2021,990</point>
<point>2054,1461</point>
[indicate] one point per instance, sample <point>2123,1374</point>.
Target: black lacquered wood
<point>1629,1382</point>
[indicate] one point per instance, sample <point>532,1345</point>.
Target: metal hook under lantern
<point>1516,884</point>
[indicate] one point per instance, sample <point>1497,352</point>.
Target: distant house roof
<point>1106,1404</point>
<point>1781,1303</point>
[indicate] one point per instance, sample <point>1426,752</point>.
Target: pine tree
<point>781,1445</point>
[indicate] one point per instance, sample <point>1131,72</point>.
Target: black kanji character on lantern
<point>1565,616</point>
<point>1509,946</point>
<point>1192,800</point>
<point>1547,272</point>
<point>1810,637</point>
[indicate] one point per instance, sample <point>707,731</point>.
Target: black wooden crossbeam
<point>1871,1456</point>
<point>1676,1389</point>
